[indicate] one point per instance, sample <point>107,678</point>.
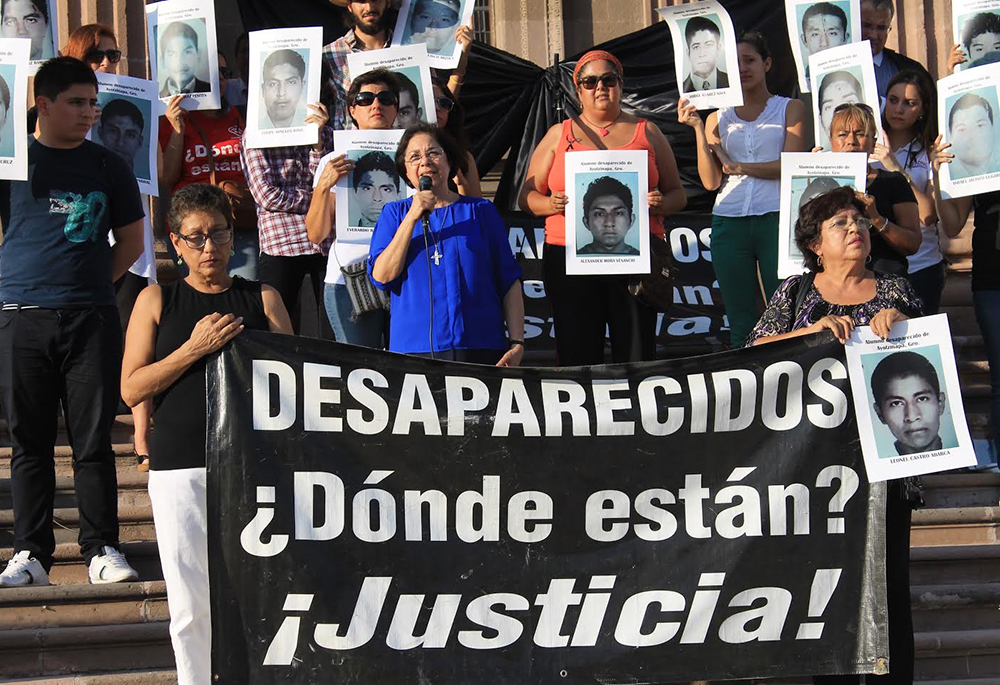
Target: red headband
<point>595,55</point>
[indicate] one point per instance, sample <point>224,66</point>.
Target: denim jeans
<point>987,306</point>
<point>369,330</point>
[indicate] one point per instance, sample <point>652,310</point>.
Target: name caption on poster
<point>897,342</point>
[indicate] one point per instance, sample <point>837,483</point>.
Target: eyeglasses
<point>97,56</point>
<point>609,81</point>
<point>385,98</point>
<point>434,154</point>
<point>226,73</point>
<point>860,105</point>
<point>842,225</point>
<point>198,241</point>
<point>445,103</point>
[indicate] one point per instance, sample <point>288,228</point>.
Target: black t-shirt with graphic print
<point>55,250</point>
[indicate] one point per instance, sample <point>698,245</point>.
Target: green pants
<point>741,245</point>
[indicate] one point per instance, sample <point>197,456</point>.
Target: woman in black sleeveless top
<point>172,330</point>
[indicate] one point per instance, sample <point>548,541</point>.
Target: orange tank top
<point>555,225</point>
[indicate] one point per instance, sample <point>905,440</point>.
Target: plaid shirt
<point>281,182</point>
<point>335,55</point>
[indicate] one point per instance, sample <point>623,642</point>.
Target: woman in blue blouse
<point>463,264</point>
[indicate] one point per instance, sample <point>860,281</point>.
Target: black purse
<point>655,289</point>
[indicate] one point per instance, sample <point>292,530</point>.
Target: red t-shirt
<point>224,136</point>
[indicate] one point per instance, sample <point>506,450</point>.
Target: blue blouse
<point>476,270</point>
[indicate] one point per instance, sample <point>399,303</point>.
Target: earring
<point>232,252</point>
<point>180,262</point>
<point>868,259</point>
<point>819,261</point>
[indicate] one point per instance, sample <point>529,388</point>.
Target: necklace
<point>602,130</point>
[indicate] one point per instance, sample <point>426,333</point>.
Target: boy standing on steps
<point>60,337</point>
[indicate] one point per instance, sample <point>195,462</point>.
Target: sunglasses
<point>861,105</point>
<point>98,56</point>
<point>609,81</point>
<point>445,103</point>
<point>198,241</point>
<point>385,98</point>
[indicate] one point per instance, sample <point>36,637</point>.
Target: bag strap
<point>800,295</point>
<point>204,139</point>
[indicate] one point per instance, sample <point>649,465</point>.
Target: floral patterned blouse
<point>891,292</point>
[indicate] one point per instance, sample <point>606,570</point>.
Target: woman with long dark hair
<point>451,117</point>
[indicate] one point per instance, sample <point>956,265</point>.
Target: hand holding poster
<point>14,70</point>
<point>908,400</point>
<point>126,125</point>
<point>433,23</point>
<point>285,79</point>
<point>705,54</point>
<point>805,175</point>
<point>410,65</point>
<point>607,213</point>
<point>183,56</point>
<point>844,75</point>
<point>36,20</point>
<point>969,112</point>
<point>976,24</point>
<point>818,26</point>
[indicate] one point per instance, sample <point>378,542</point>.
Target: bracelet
<point>516,342</point>
<point>884,226</point>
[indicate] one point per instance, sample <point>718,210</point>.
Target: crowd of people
<point>438,279</point>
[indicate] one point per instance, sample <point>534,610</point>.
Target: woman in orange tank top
<point>583,307</point>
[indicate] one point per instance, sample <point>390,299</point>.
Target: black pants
<point>929,284</point>
<point>286,274</point>
<point>583,307</point>
<point>73,358</point>
<point>902,653</point>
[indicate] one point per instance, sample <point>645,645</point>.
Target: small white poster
<point>908,400</point>
<point>818,26</point>
<point>433,23</point>
<point>844,75</point>
<point>607,215</point>
<point>128,125</point>
<point>284,78</point>
<point>976,26</point>
<point>373,183</point>
<point>969,116</point>
<point>804,176</point>
<point>411,66</point>
<point>14,69</point>
<point>36,20</point>
<point>708,68</point>
<point>183,55</point>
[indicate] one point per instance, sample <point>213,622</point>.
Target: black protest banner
<point>387,519</point>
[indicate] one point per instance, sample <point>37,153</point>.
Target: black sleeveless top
<point>179,419</point>
<point>985,250</point>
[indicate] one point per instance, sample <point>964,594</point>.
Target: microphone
<point>426,183</point>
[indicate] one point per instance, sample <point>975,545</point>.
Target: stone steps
<point>957,655</point>
<point>157,677</point>
<point>956,490</point>
<point>955,526</point>
<point>134,523</point>
<point>83,605</point>
<point>955,606</point>
<point>954,564</point>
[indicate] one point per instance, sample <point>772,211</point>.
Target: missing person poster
<point>969,116</point>
<point>844,75</point>
<point>35,20</point>
<point>127,125</point>
<point>411,66</point>
<point>183,56</point>
<point>705,58</point>
<point>804,176</point>
<point>818,26</point>
<point>976,26</point>
<point>908,400</point>
<point>284,79</point>
<point>433,23</point>
<point>607,216</point>
<point>14,70</point>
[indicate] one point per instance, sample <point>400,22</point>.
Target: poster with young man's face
<point>183,55</point>
<point>704,53</point>
<point>411,66</point>
<point>907,399</point>
<point>35,20</point>
<point>841,76</point>
<point>433,23</point>
<point>976,28</point>
<point>968,112</point>
<point>14,68</point>
<point>284,81</point>
<point>126,125</point>
<point>819,26</point>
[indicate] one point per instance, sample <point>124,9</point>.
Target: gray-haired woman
<point>172,329</point>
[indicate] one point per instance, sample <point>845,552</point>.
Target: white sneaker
<point>23,569</point>
<point>110,567</point>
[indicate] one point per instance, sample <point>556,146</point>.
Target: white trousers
<point>180,515</point>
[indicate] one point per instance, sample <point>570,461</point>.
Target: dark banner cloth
<point>379,518</point>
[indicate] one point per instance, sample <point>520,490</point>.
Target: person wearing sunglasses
<point>889,201</point>
<point>374,98</point>
<point>451,117</point>
<point>583,307</point>
<point>174,327</point>
<point>739,154</point>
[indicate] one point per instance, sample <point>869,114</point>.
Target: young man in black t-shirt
<point>60,336</point>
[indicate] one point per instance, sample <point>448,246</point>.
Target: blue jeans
<point>369,330</point>
<point>987,306</point>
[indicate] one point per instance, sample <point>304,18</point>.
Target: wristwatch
<point>516,342</point>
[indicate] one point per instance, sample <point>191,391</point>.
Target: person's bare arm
<point>322,205</point>
<point>706,134</point>
<point>669,196</point>
<point>173,155</point>
<point>468,182</point>
<point>953,213</point>
<point>534,197</point>
<point>903,234</point>
<point>278,320</point>
<point>513,315</point>
<point>127,247</point>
